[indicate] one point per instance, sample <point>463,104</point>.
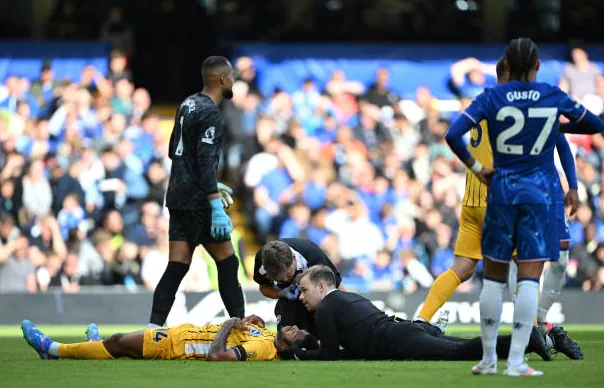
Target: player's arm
<point>218,349</point>
<point>454,137</point>
<point>265,285</point>
<point>590,125</point>
<point>327,334</point>
<point>207,149</point>
<point>172,146</point>
<point>567,160</point>
<point>582,120</point>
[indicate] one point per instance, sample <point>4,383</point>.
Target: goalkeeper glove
<point>225,193</point>
<point>221,223</point>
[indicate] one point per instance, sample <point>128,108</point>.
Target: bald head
<point>217,74</point>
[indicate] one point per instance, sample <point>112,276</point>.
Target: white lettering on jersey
<point>523,95</point>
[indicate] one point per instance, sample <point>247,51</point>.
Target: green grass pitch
<point>21,367</point>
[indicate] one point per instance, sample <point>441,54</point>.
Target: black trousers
<point>293,312</point>
<point>421,341</point>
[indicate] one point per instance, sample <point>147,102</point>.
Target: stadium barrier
<point>120,307</point>
<point>68,58</point>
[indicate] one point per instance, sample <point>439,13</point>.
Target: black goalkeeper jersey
<point>195,148</point>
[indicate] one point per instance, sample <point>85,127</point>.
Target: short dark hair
<point>320,273</point>
<point>214,62</point>
<point>276,257</point>
<point>500,67</point>
<point>521,56</point>
<point>309,342</point>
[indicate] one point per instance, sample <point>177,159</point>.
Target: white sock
<point>524,316</point>
<point>491,305</point>
<point>53,350</point>
<point>512,280</point>
<point>552,284</point>
<point>153,326</point>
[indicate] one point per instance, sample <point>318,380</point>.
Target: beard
<point>227,94</point>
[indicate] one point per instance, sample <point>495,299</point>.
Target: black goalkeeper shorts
<point>192,226</point>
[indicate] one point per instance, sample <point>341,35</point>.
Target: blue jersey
<point>523,120</point>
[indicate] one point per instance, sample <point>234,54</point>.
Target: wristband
<point>476,167</point>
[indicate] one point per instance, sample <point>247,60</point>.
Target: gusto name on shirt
<point>523,95</point>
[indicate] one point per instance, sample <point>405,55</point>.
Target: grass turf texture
<point>21,367</point>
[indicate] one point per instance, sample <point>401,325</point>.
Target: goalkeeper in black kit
<point>195,199</point>
<point>352,322</point>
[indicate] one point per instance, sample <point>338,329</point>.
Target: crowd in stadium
<point>362,173</point>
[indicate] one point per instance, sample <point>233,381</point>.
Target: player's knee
<point>531,269</point>
<point>464,267</point>
<point>561,263</point>
<point>114,344</point>
<point>220,251</point>
<point>180,252</point>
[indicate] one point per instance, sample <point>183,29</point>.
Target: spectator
<point>8,202</point>
<point>122,102</point>
<point>37,194</point>
<point>296,226</point>
<point>378,93</point>
<point>118,63</point>
<point>43,89</point>
<point>470,76</point>
<point>45,235</point>
<point>71,216</point>
<point>125,268</point>
<point>247,73</point>
<point>17,273</point>
<point>68,277</point>
<point>118,31</point>
<point>583,80</point>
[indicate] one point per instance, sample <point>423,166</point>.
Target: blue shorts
<point>529,228</point>
<point>562,223</point>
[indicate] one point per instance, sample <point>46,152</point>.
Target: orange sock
<point>85,351</point>
<point>443,288</point>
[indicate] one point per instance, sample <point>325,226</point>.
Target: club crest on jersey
<point>189,104</point>
<point>255,332</point>
<point>208,136</point>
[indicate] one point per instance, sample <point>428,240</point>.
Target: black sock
<point>229,287</point>
<point>165,292</point>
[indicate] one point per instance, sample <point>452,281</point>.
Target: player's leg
<point>422,341</point>
<point>497,247</point>
<point>550,291</point>
<point>179,261</point>
<point>467,254</point>
<point>227,264</point>
<point>118,345</point>
<point>537,242</point>
<point>554,275</point>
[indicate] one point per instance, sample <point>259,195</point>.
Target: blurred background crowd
<point>354,166</point>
